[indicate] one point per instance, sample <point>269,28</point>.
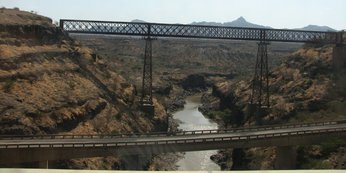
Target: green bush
<point>332,145</point>
<point>8,85</point>
<point>315,105</point>
<point>224,115</point>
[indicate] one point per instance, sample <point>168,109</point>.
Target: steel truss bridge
<point>197,31</point>
<point>260,83</point>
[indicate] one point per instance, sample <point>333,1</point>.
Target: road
<point>140,140</point>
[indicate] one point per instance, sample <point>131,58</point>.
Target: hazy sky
<point>274,13</point>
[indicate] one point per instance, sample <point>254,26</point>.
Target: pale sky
<point>274,13</point>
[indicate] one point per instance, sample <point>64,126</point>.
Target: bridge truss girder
<point>198,31</point>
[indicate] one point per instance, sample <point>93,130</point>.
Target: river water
<point>191,119</point>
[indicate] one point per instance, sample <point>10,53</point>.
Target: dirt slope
<point>50,84</point>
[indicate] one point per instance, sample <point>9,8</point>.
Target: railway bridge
<point>260,84</point>
<point>56,147</point>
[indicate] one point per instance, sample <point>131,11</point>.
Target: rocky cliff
<point>302,89</point>
<point>50,84</point>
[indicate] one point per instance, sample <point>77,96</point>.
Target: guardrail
<point>179,141</point>
<point>162,134</point>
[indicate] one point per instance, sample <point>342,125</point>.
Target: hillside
<point>303,89</point>
<point>174,60</point>
<point>17,17</point>
<point>50,84</point>
<point>318,28</point>
<point>242,22</point>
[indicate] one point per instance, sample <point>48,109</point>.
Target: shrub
<point>332,145</point>
<point>224,115</point>
<point>315,105</point>
<point>299,105</point>
<point>8,85</point>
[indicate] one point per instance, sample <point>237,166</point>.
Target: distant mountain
<point>317,28</point>
<point>240,22</point>
<point>138,21</point>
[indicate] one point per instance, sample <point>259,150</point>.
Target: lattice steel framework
<point>147,96</point>
<point>197,31</point>
<point>260,83</point>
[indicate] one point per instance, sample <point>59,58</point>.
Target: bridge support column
<point>136,162</point>
<point>147,80</point>
<point>43,164</point>
<point>259,98</point>
<point>339,68</point>
<point>339,58</point>
<point>286,157</point>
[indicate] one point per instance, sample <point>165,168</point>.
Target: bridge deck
<point>140,140</point>
<point>38,148</point>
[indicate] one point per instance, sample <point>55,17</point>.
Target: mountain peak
<point>241,19</point>
<point>241,22</point>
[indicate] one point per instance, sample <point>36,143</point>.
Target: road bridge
<point>260,83</point>
<point>17,149</point>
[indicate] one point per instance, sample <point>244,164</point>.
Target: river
<point>191,119</point>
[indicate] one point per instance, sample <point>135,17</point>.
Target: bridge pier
<point>136,162</point>
<point>286,157</point>
<point>339,68</point>
<point>43,164</point>
<point>147,74</point>
<point>259,99</point>
<point>147,80</point>
<point>339,57</point>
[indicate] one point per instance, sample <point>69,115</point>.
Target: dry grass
<point>7,51</point>
<point>16,17</point>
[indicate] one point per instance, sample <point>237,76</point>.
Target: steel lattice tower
<point>260,84</point>
<point>147,96</point>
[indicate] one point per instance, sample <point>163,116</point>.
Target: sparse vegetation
<point>319,156</point>
<point>332,145</point>
<point>226,116</point>
<point>333,110</point>
<point>303,89</point>
<point>47,91</point>
<point>181,58</point>
<point>89,111</point>
<point>8,84</point>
